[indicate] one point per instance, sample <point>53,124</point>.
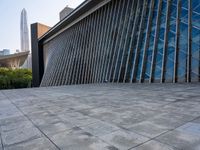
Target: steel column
<point>189,52</point>
<point>138,45</point>
<point>176,57</point>
<point>133,36</point>
<point>146,44</point>
<point>127,40</point>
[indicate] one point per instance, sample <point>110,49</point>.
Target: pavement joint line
<point>105,141</point>
<point>1,131</point>
<point>154,138</point>
<point>150,139</point>
<point>1,141</point>
<point>32,122</point>
<point>22,142</point>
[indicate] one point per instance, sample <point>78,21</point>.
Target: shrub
<point>15,78</point>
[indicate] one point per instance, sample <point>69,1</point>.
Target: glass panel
<point>142,43</point>
<point>183,42</point>
<point>151,42</point>
<point>132,51</point>
<point>171,44</point>
<point>195,40</point>
<point>160,43</point>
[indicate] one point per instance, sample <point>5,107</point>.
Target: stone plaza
<point>101,117</point>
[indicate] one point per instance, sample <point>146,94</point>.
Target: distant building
<point>13,60</point>
<point>66,11</point>
<point>4,52</point>
<point>24,33</point>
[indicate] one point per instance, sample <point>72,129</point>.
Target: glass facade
<point>128,41</point>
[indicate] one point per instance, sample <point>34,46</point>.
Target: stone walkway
<point>101,117</point>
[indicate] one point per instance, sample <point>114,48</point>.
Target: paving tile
<point>148,129</point>
<point>32,109</point>
<point>53,128</point>
<point>16,125</point>
<point>154,145</point>
<point>181,140</point>
<point>81,107</point>
<point>191,128</point>
<point>170,120</point>
<point>102,116</point>
<point>20,135</point>
<point>5,103</point>
<point>44,118</point>
<point>196,120</point>
<point>123,140</point>
<point>12,120</point>
<point>100,128</point>
<point>79,140</point>
<point>1,146</point>
<point>36,144</point>
<point>77,119</point>
<point>8,112</point>
<point>58,110</point>
<point>126,121</point>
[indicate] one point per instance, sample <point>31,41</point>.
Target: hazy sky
<point>43,11</point>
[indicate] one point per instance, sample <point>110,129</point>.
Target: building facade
<point>123,41</point>
<point>13,60</point>
<point>65,12</point>
<point>24,33</point>
<point>4,52</point>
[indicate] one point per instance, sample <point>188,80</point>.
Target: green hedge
<point>15,78</point>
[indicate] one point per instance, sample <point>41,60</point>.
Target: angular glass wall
<point>128,41</point>
<point>183,47</point>
<point>150,49</point>
<point>195,69</point>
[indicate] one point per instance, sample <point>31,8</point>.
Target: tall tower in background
<point>24,33</point>
<point>24,36</point>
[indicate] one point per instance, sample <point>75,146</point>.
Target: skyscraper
<point>24,32</point>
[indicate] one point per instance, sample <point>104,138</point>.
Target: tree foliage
<point>15,78</point>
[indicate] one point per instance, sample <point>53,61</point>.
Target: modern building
<point>24,34</point>
<point>4,52</point>
<point>13,60</point>
<point>65,12</point>
<point>121,41</point>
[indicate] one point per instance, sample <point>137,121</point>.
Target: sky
<point>42,11</point>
